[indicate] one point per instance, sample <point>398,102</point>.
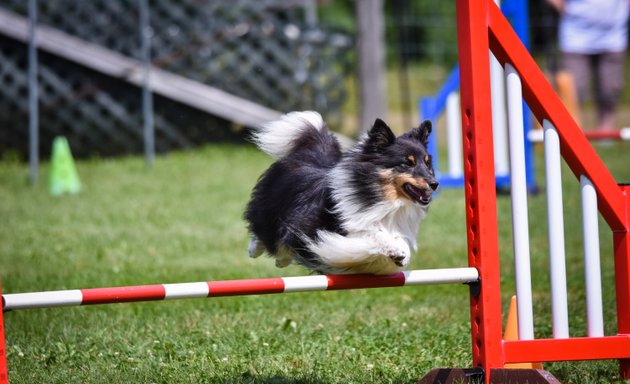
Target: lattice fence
<point>264,51</point>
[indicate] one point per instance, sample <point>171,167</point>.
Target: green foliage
<point>181,222</point>
<point>424,31</point>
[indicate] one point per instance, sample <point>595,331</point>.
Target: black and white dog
<point>334,212</point>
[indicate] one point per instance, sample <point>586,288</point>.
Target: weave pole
<point>157,292</point>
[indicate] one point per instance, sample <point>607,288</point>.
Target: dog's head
<point>404,165</point>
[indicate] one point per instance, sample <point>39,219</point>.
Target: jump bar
<point>623,134</point>
<point>155,292</point>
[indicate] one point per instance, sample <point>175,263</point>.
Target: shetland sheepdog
<point>337,212</point>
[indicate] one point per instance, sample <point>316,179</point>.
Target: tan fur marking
<point>389,188</point>
<point>412,160</point>
<point>393,184</point>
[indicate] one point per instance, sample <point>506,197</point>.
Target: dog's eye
<point>410,161</point>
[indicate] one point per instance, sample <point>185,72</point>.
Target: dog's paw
<point>400,257</point>
<point>255,248</point>
<point>400,260</point>
<point>397,250</point>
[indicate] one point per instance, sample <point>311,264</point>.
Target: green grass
<point>181,222</point>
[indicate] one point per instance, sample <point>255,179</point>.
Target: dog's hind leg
<point>255,247</point>
<point>284,257</point>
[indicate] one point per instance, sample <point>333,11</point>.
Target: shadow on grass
<point>248,378</point>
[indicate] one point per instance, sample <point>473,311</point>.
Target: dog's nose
<point>434,185</point>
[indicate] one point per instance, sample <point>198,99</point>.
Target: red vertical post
<point>4,376</point>
<point>480,189</point>
<point>621,242</point>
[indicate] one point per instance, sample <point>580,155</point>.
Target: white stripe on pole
<point>186,290</point>
<point>555,219</point>
<point>499,127</point>
<point>624,133</point>
<point>518,189</point>
<point>43,299</point>
<point>435,276</point>
<point>592,271</point>
<point>305,283</point>
<point>454,135</point>
<point>535,135</point>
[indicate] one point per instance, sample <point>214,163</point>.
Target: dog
<point>337,212</point>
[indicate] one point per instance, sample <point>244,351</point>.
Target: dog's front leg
<point>392,246</point>
<point>371,251</point>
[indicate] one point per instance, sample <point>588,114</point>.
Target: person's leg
<point>608,87</point>
<point>579,66</point>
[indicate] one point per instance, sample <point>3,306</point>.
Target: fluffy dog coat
<point>334,212</point>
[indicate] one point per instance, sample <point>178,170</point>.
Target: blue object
<point>432,106</point>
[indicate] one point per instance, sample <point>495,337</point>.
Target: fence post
<point>371,49</point>
<point>147,95</point>
<point>33,108</point>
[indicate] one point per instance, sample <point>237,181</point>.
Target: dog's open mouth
<point>420,196</point>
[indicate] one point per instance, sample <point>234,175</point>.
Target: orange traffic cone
<point>511,333</point>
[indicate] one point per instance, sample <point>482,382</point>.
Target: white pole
<point>454,135</point>
<point>520,225</point>
<point>499,119</point>
<point>555,219</point>
<point>499,127</point>
<point>592,271</point>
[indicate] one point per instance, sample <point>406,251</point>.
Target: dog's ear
<point>380,136</point>
<point>422,133</point>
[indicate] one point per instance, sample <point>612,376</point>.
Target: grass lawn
<point>181,222</point>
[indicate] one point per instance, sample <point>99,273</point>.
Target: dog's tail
<point>279,138</point>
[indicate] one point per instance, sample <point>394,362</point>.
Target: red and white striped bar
<point>623,134</point>
<point>138,293</point>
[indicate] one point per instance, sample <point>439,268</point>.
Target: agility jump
<point>481,27</point>
<point>211,289</point>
